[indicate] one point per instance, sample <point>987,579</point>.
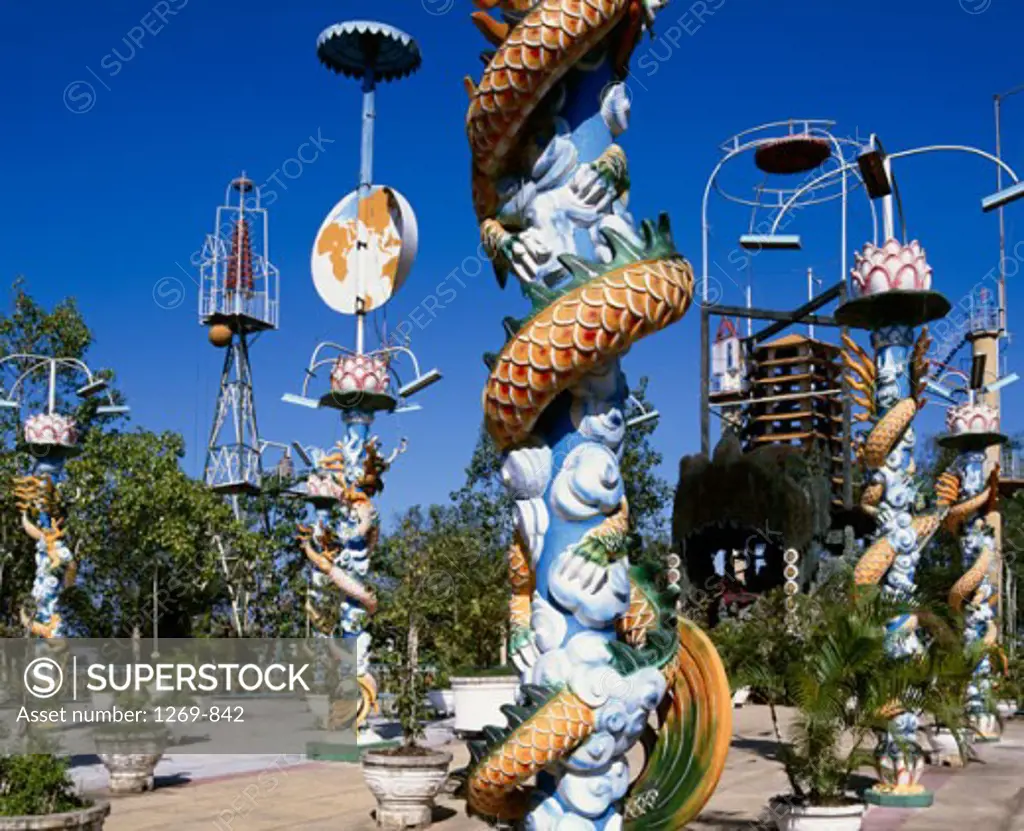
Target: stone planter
<point>405,786</point>
<point>442,700</point>
<point>943,748</point>
<point>478,701</point>
<point>87,819</point>
<point>130,758</point>
<point>791,817</point>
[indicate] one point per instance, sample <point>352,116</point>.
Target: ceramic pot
<point>405,786</point>
<point>87,819</point>
<point>791,817</point>
<point>130,758</point>
<point>478,701</point>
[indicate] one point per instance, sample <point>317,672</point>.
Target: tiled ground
<point>987,796</point>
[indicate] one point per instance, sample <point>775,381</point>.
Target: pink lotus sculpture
<point>323,487</point>
<point>972,418</point>
<point>360,373</point>
<point>51,428</point>
<point>893,267</point>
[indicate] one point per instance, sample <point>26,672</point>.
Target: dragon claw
<point>523,649</point>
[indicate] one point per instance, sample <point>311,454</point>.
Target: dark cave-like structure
<point>765,501</point>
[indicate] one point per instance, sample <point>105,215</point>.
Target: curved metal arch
<point>964,148</point>
<point>740,149</point>
<point>838,144</point>
<point>832,173</point>
<point>42,361</point>
<point>789,122</point>
<point>915,151</point>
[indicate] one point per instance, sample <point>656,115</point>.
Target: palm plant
<point>844,685</point>
<point>949,668</point>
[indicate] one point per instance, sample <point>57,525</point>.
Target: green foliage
<point>34,785</point>
<point>649,496</point>
<point>759,647</point>
<point>829,661</point>
<point>446,569</point>
<point>262,572</point>
<point>27,328</point>
<point>139,517</point>
<point>420,602</point>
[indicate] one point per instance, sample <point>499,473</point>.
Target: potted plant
<point>130,751</point>
<point>36,794</point>
<point>406,779</point>
<point>842,684</point>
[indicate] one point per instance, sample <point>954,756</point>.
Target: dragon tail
<point>686,763</point>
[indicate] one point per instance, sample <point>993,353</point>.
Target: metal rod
<point>888,217</point>
<point>847,428</point>
<point>789,396</point>
<point>365,183</point>
<point>810,297</point>
<point>770,314</point>
<point>705,380</point>
<point>786,319</point>
<point>53,387</point>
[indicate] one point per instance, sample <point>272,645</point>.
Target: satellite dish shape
<point>342,272</point>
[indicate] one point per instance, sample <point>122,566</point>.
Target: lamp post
<point>51,438</point>
<point>362,255</point>
<point>997,103</point>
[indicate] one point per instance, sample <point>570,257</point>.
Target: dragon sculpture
<point>890,389</point>
<point>597,643</point>
<point>38,501</point>
<point>340,543</point>
<point>972,427</point>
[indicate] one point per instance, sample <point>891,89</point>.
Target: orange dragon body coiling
<point>889,387</point>
<point>973,427</point>
<point>596,641</point>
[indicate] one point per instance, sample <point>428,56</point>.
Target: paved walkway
<point>263,793</point>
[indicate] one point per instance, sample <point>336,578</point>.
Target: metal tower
<point>238,299</point>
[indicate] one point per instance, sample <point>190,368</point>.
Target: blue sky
<point>111,187</point>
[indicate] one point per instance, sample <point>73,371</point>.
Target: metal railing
<point>1011,463</point>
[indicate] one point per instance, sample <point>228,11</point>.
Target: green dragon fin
<point>686,763</point>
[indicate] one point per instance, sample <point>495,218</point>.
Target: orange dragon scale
<point>596,641</point>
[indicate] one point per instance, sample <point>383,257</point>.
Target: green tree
<point>650,496</point>
<point>459,593</point>
<point>136,517</point>
<point>261,569</point>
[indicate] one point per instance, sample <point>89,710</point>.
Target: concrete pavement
<point>264,793</point>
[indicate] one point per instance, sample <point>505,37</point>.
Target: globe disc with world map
<point>342,272</point>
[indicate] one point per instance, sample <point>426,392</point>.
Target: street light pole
<point>998,105</point>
